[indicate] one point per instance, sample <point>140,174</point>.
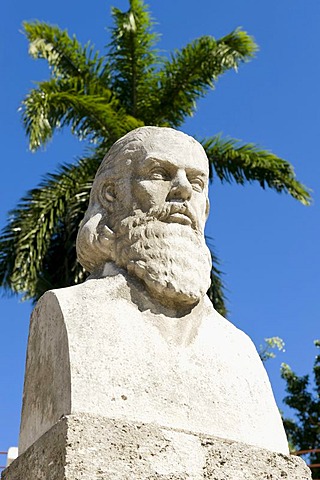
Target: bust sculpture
<point>147,212</point>
<point>139,339</point>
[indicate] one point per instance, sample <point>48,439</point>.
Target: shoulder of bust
<point>92,290</point>
<point>217,324</point>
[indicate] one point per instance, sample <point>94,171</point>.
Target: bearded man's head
<point>147,212</point>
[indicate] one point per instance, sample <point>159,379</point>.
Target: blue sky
<point>268,243</point>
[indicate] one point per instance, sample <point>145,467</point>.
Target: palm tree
<point>101,98</point>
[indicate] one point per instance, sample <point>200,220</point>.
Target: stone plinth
<point>87,447</point>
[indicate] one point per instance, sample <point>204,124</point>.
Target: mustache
<point>162,214</point>
<point>171,208</point>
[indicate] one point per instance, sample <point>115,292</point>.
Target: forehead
<point>178,150</point>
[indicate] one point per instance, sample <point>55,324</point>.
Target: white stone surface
<point>12,455</point>
<point>104,356</point>
<point>147,212</point>
<point>140,340</point>
<point>89,447</point>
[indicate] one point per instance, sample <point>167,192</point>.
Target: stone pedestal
<point>88,447</point>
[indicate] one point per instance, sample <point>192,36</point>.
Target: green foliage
<point>216,290</point>
<point>94,114</point>
<point>100,98</point>
<point>133,58</point>
<point>45,256</point>
<point>266,351</point>
<point>66,56</point>
<point>303,396</point>
<point>189,73</point>
<point>231,160</point>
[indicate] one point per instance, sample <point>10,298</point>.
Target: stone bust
<point>140,340</point>
<point>147,212</point>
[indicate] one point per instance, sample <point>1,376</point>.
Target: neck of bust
<point>145,297</point>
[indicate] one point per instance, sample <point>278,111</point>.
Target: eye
<point>197,184</point>
<point>158,174</point>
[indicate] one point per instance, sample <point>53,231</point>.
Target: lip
<point>180,218</point>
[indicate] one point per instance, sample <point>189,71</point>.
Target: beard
<point>171,258</point>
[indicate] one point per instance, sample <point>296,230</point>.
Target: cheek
<point>147,194</point>
<point>201,207</point>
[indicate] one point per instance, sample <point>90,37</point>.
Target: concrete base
<point>87,447</point>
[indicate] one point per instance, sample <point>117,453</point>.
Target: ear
<point>107,195</point>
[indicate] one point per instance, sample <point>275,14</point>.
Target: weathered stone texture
<point>197,372</point>
<point>133,374</point>
<point>86,447</point>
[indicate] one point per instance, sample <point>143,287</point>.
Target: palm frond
<point>41,231</point>
<point>193,70</point>
<point>232,160</point>
<point>101,99</point>
<point>92,112</point>
<point>133,57</point>
<point>216,292</point>
<point>65,55</point>
<point>234,48</point>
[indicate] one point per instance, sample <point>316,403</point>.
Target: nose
<point>181,188</point>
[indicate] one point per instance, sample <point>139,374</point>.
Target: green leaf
<point>232,160</point>
<point>193,70</point>
<point>266,351</point>
<point>37,246</point>
<point>92,113</point>
<point>133,57</point>
<point>65,55</point>
<point>304,430</point>
<point>216,291</point>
